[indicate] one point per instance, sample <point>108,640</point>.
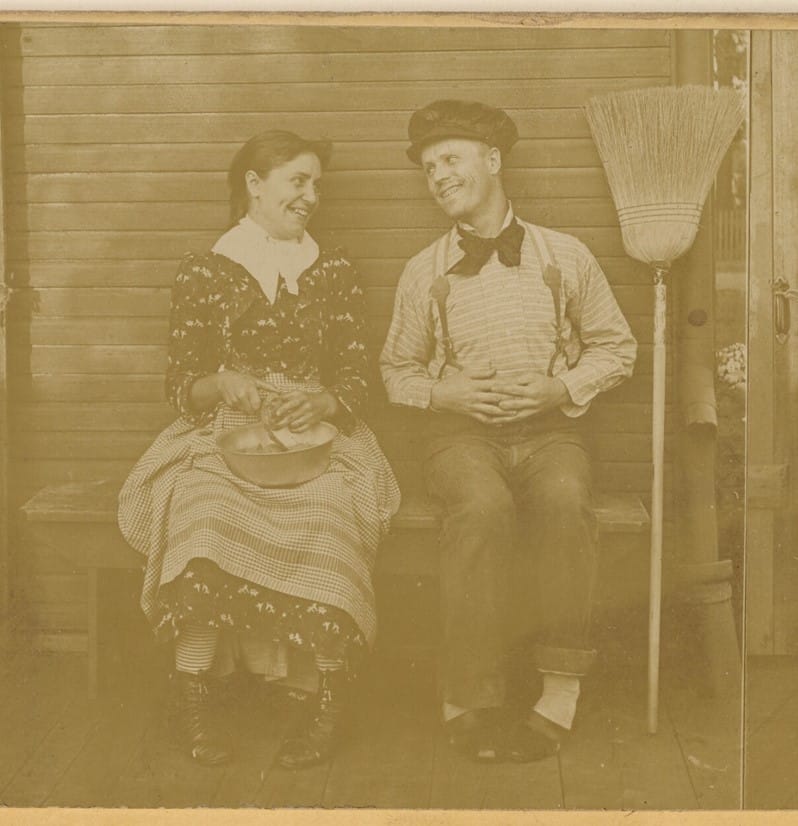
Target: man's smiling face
<point>461,175</point>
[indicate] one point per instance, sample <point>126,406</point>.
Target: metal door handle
<point>782,294</point>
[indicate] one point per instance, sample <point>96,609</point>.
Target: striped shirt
<point>504,318</point>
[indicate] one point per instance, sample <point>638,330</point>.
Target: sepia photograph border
<point>754,19</point>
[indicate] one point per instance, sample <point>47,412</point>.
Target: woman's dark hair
<point>262,153</point>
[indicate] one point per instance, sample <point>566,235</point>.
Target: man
<point>504,332</point>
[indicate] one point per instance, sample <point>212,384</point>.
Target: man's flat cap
<point>460,119</point>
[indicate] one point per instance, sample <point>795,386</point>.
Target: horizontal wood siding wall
<point>117,141</point>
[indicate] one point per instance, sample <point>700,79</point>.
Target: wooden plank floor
<point>60,750</point>
<point>771,729</point>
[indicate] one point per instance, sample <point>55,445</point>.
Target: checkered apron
<point>317,541</point>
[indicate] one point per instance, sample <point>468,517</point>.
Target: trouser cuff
<point>575,662</point>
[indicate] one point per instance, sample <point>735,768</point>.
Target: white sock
<point>327,664</point>
<point>558,701</point>
<point>195,648</point>
<point>450,711</point>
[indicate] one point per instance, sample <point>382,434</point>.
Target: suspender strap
<point>552,277</point>
<point>439,292</point>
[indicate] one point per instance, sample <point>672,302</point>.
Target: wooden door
<point>771,556</point>
<point>5,513</point>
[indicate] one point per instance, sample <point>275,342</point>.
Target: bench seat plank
<point>616,513</point>
<point>96,501</point>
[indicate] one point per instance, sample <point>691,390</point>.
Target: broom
<point>661,148</point>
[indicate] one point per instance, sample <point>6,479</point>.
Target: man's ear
<point>494,160</point>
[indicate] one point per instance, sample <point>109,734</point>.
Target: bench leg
<point>92,633</point>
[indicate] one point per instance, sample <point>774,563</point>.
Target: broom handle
<point>658,443</point>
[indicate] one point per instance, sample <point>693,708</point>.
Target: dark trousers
<point>518,541</point>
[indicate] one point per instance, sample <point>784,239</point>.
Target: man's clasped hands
<point>480,393</point>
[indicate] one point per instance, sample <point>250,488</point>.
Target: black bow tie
<point>478,250</point>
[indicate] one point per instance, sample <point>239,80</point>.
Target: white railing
<point>729,234</point>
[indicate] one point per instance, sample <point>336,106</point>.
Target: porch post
<point>702,580</point>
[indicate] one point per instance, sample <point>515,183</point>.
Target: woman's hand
<point>298,410</point>
<point>237,390</point>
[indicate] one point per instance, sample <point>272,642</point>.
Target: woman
<point>285,568</point>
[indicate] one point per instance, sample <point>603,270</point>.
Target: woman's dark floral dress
<point>220,316</point>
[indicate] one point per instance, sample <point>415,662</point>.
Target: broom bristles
<point>661,148</point>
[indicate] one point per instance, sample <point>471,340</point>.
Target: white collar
<point>508,219</point>
<point>267,258</point>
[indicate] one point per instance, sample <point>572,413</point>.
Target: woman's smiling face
<point>283,201</point>
<point>460,175</point>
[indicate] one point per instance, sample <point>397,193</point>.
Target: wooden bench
<point>78,522</point>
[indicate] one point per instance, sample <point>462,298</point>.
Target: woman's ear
<point>253,181</point>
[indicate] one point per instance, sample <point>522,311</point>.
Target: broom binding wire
<point>674,225</point>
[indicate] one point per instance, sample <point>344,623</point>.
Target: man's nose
<point>438,173</point>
